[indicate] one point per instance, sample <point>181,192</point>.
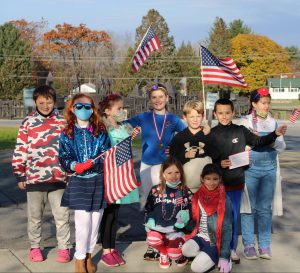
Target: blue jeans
<point>235,198</point>
<point>260,183</point>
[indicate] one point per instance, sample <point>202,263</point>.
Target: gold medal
<point>160,146</point>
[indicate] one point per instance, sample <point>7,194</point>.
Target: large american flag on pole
<point>221,71</point>
<point>119,177</point>
<point>148,44</point>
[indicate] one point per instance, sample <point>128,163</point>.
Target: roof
<point>286,82</point>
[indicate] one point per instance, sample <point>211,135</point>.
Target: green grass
<point>8,137</point>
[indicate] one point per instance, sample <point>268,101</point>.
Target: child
<point>158,128</point>
<point>193,146</point>
<point>82,141</point>
<point>260,178</point>
<point>167,211</point>
<point>37,169</point>
<point>232,139</point>
<point>212,212</point>
<point>112,112</point>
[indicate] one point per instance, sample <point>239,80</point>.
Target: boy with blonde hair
<point>193,147</point>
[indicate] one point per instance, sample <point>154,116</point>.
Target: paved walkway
<point>131,235</point>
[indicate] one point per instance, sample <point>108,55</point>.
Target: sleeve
<point>177,150</point>
<point>134,121</point>
<point>279,144</point>
<point>226,231</point>
<point>180,125</point>
<point>105,145</point>
<point>254,140</point>
<point>66,156</point>
<point>20,153</point>
<point>210,147</point>
<point>149,207</point>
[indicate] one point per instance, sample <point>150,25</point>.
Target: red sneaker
<point>164,261</point>
<point>118,257</point>
<point>63,256</point>
<point>35,255</point>
<point>109,260</point>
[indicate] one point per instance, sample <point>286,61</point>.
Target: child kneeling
<point>167,212</point>
<point>212,213</point>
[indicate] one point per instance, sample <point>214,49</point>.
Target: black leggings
<point>108,227</point>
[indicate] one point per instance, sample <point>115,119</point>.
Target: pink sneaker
<point>35,255</point>
<point>118,257</point>
<point>63,256</point>
<point>109,260</point>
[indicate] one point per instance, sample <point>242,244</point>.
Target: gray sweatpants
<point>36,202</point>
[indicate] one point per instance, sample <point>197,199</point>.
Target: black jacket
<point>232,139</point>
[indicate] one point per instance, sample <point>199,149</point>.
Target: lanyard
<point>159,136</point>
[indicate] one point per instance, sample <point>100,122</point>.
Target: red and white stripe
<point>119,181</point>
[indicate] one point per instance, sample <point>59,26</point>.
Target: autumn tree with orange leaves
<point>76,48</point>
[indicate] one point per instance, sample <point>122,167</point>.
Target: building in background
<point>284,88</point>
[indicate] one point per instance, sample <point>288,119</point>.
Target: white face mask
<point>119,116</point>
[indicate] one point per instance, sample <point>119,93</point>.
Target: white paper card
<point>239,160</point>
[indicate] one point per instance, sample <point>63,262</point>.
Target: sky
<point>188,20</point>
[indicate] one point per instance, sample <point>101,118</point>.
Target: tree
<point>294,58</point>
<point>15,63</point>
<point>238,27</point>
<point>259,58</point>
<point>160,65</point>
<point>219,45</point>
<point>189,64</point>
<point>32,33</point>
<point>76,48</point>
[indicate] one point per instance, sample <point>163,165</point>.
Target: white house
<point>284,88</point>
<point>85,88</point>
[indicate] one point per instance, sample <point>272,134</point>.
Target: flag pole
<point>203,91</point>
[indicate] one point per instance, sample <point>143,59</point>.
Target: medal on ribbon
<point>160,145</point>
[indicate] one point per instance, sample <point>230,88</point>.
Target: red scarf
<point>211,201</point>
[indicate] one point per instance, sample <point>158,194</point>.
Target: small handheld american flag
<point>254,117</point>
<point>148,44</point>
<point>119,176</point>
<point>294,115</point>
<point>179,199</point>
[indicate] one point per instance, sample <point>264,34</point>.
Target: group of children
<point>191,204</point>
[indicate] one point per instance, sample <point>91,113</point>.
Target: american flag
<point>148,44</point>
<point>254,117</point>
<point>119,177</point>
<point>221,71</point>
<point>294,115</point>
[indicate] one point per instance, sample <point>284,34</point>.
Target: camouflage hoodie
<point>35,158</point>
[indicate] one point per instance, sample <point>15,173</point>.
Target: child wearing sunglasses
<point>157,130</point>
<point>113,115</point>
<point>84,139</point>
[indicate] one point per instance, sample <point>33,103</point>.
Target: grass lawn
<point>8,137</point>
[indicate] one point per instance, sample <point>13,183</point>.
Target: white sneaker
<point>234,257</point>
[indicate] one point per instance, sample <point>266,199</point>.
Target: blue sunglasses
<point>79,106</point>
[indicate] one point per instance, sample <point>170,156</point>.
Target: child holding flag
<point>260,177</point>
<point>83,140</point>
<point>113,115</point>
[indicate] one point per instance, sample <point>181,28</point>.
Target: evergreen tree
<point>219,45</point>
<point>15,63</point>
<point>238,27</point>
<point>294,58</point>
<point>160,65</point>
<point>189,64</point>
